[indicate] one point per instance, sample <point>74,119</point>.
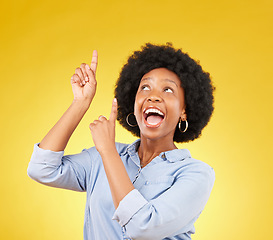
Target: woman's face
<point>159,103</point>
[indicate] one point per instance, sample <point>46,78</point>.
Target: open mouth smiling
<point>153,117</point>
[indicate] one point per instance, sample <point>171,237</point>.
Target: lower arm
<point>57,138</point>
<point>119,181</point>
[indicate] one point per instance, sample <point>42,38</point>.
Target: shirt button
<point>163,155</point>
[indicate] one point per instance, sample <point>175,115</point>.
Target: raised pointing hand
<point>84,80</point>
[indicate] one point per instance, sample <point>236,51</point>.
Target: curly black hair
<point>196,83</point>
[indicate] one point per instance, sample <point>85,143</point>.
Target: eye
<point>168,90</point>
<point>145,88</point>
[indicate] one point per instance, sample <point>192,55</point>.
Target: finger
<point>101,118</point>
<point>75,79</point>
<point>90,74</point>
<point>114,111</point>
<point>85,75</point>
<point>95,123</point>
<point>94,61</point>
<point>91,126</point>
<point>79,72</point>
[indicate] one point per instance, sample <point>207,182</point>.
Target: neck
<point>149,149</point>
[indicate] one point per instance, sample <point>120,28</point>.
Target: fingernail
<point>115,100</point>
<point>83,82</point>
<point>86,79</point>
<point>87,66</point>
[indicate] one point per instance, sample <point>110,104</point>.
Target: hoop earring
<point>179,125</point>
<point>127,120</point>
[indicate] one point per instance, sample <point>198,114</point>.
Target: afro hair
<point>196,83</point>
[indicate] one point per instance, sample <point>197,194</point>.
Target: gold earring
<point>179,125</point>
<point>127,120</point>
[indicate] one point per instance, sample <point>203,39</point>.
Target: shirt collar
<point>132,148</point>
<point>172,155</point>
<point>176,155</point>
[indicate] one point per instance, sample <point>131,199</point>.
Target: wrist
<point>82,102</point>
<point>110,150</point>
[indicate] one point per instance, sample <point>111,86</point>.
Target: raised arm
<point>84,88</point>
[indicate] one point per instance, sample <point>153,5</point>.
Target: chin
<point>154,135</point>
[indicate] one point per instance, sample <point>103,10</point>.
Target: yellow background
<point>42,42</point>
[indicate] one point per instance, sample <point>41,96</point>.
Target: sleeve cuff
<point>129,206</point>
<point>40,155</point>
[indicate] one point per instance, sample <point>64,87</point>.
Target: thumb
<point>114,111</point>
<point>94,62</point>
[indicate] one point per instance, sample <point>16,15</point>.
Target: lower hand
<point>103,131</point>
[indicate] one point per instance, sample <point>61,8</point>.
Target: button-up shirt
<point>170,192</point>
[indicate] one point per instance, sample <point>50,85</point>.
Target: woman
<point>149,189</point>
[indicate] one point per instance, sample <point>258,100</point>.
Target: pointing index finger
<point>114,111</point>
<point>94,61</point>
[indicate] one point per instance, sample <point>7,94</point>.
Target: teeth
<point>154,110</point>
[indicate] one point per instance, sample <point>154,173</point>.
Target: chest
<point>150,181</point>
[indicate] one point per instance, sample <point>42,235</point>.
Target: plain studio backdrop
<point>43,42</point>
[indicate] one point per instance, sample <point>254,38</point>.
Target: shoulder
<point>201,167</point>
<point>196,164</point>
<point>187,165</point>
<point>201,172</point>
<point>183,156</point>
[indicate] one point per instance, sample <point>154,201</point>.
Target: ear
<point>183,115</point>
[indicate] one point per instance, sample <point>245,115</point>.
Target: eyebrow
<point>166,79</point>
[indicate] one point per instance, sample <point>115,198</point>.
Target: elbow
<point>39,173</point>
<point>33,172</point>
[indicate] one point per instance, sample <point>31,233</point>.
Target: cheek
<point>176,108</point>
<point>180,102</point>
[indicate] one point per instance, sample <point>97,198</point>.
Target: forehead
<point>162,74</point>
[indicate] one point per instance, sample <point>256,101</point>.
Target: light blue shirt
<point>169,195</point>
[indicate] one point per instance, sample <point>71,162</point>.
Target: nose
<point>154,98</point>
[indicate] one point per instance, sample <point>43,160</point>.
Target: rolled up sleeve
<point>56,170</point>
<point>129,206</point>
